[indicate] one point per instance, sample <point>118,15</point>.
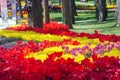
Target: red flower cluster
<point>46,43</point>
<point>16,67</point>
<point>55,25</point>
<point>46,26</point>
<point>102,37</point>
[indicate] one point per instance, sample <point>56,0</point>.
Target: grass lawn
<point>106,27</point>
<point>86,22</point>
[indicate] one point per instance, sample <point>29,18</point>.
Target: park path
<point>6,24</point>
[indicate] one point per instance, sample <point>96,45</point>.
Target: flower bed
<point>55,53</point>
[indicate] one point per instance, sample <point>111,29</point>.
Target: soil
<point>9,42</point>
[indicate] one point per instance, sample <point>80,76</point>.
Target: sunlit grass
<point>86,22</point>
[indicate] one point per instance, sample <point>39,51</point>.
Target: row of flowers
<point>77,52</point>
<point>39,37</point>
<point>67,32</point>
<point>81,7</point>
<point>30,35</point>
<point>50,26</point>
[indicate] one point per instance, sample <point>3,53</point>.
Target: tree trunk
<point>101,11</point>
<point>74,7</point>
<point>46,11</point>
<point>34,9</point>
<point>118,13</point>
<point>20,8</point>
<point>66,13</point>
<point>28,7</point>
<point>37,13</point>
<point>72,11</point>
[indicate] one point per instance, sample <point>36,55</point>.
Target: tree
<point>73,12</point>
<point>28,8</point>
<point>74,7</point>
<point>101,11</point>
<point>46,11</point>
<point>118,13</point>
<point>20,8</point>
<point>66,13</point>
<point>34,9</point>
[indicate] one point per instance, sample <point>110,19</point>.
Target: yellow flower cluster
<point>43,55</point>
<point>84,41</point>
<point>114,52</point>
<point>111,6</point>
<point>30,35</point>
